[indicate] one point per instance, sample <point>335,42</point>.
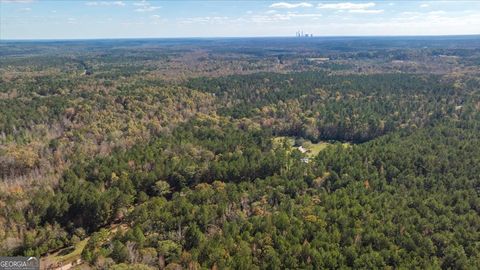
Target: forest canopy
<point>193,154</point>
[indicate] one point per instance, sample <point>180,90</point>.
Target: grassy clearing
<point>64,256</point>
<point>312,148</point>
<point>75,254</point>
<point>70,254</point>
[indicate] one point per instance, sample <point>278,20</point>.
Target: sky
<point>92,19</point>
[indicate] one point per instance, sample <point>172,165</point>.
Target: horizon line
<point>232,37</point>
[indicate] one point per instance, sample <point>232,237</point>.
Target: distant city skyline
<point>46,19</point>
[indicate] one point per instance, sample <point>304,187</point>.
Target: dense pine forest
<point>280,153</point>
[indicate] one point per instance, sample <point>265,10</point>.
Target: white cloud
<point>307,15</point>
<point>440,20</point>
<point>144,6</point>
<point>25,9</point>
<point>141,3</point>
<point>407,23</point>
<point>147,9</point>
<point>366,11</point>
<point>347,6</point>
<point>358,8</point>
<point>106,3</point>
<point>157,19</point>
<point>277,17</point>
<point>256,18</point>
<point>424,5</point>
<point>290,5</point>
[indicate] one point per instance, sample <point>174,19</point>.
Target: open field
<point>312,149</point>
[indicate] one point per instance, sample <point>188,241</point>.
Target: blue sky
<point>74,19</point>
